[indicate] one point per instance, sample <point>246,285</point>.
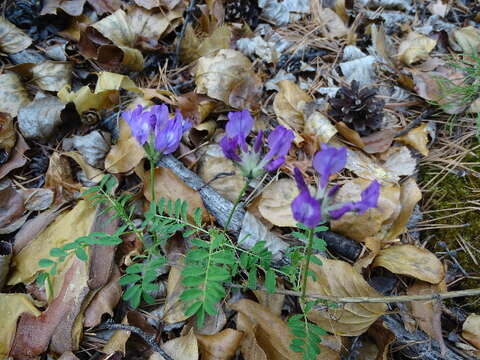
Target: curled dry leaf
<point>275,201</point>
<point>338,278</point>
<point>8,136</point>
<point>13,94</point>
<point>417,138</point>
<point>105,6</point>
<point>126,153</point>
<point>428,313</point>
<point>12,306</point>
<point>415,47</point>
<point>358,66</point>
<point>412,261</point>
<point>169,186</point>
<point>37,199</point>
<point>6,251</point>
<point>59,178</point>
<point>86,99</point>
<point>320,126</point>
<point>67,226</point>
<point>73,8</point>
<point>289,105</point>
<point>359,227</point>
<point>93,147</point>
<point>220,173</point>
<point>12,39</point>
<point>180,348</point>
<point>249,347</point>
<point>174,310</point>
<point>17,159</point>
<point>192,48</point>
<point>383,338</point>
<point>282,12</point>
<point>11,206</point>
<point>118,340</point>
<point>379,141</point>
<point>471,330</point>
<point>228,76</point>
<point>350,134</point>
<point>274,302</point>
<point>48,75</point>
<point>92,174</point>
<point>213,323</point>
<point>221,346</point>
<point>468,38</point>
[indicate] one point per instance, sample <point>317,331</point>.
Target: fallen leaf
<point>438,8</point>
<point>104,301</point>
<point>126,154</point>
<point>359,227</point>
<point>11,205</point>
<point>59,178</point>
<point>213,323</point>
<point>118,340</point>
<point>249,347</point>
<point>93,147</point>
<point>105,6</point>
<point>273,302</point>
<point>428,313</point>
<point>257,46</point>
<point>48,75</point>
<point>220,173</point>
<point>331,25</point>
<point>289,105</point>
<point>169,186</point>
<point>6,250</point>
<point>383,338</point>
<point>108,81</point>
<point>415,47</point>
<point>228,76</point>
<point>318,125</point>
<point>221,346</point>
<point>275,201</point>
<point>13,94</point>
<point>471,330</point>
<point>358,66</point>
<point>412,261</point>
<point>37,199</point>
<point>17,159</point>
<point>283,12</point>
<point>379,141</point>
<point>68,355</point>
<point>8,136</point>
<point>338,278</point>
<point>192,48</point>
<point>12,39</point>
<point>417,138</point>
<point>350,134</point>
<point>410,195</point>
<point>468,38</point>
<point>174,310</point>
<point>399,162</point>
<point>12,306</point>
<point>180,348</point>
<point>72,8</point>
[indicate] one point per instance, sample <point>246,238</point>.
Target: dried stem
<point>188,16</point>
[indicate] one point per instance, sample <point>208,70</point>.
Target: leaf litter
<point>354,75</point>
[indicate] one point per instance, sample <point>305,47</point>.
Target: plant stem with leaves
<point>236,203</point>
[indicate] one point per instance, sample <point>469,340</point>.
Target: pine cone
<point>243,10</point>
<point>358,109</point>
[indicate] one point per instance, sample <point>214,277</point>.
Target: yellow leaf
<point>417,138</point>
<point>13,94</point>
<point>415,47</point>
<point>468,38</point>
<point>192,48</point>
<point>220,346</point>
<point>112,81</point>
<point>274,204</point>
<point>11,307</point>
<point>180,348</point>
<point>48,75</point>
<point>413,261</point>
<point>471,330</point>
<point>338,278</point>
<point>174,310</point>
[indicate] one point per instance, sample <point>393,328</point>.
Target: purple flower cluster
<point>250,161</point>
<point>314,210</point>
<point>155,127</point>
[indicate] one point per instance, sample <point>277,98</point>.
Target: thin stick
<point>382,299</point>
<point>150,340</point>
<point>182,32</point>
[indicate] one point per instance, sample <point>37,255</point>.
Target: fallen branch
<point>150,340</point>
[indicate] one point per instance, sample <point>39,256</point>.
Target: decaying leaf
<point>249,347</point>
<point>8,136</point>
<point>174,310</point>
<point>428,313</point>
<point>331,23</point>
<point>93,146</point>
<point>126,153</point>
<point>37,199</point>
<point>92,174</point>
<point>11,205</point>
<point>193,48</point>
<point>6,251</point>
<point>12,39</point>
<point>221,346</point>
<point>118,340</point>
<point>359,227</point>
<point>228,76</point>
<point>358,66</point>
<point>413,261</point>
<point>415,47</point>
<point>12,306</point>
<point>379,141</point>
<point>282,12</point>
<point>180,348</point>
<point>169,186</point>
<point>417,138</point>
<point>338,278</point>
<point>471,330</point>
<point>73,8</point>
<point>48,75</point>
<point>289,105</point>
<point>320,126</point>
<point>59,178</point>
<point>105,6</point>
<point>220,173</point>
<point>13,94</point>
<point>275,202</point>
<point>468,38</point>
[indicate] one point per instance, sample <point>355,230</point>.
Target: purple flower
<point>169,133</point>
<point>139,123</point>
<point>235,147</point>
<point>329,161</point>
<point>305,208</point>
<point>369,200</point>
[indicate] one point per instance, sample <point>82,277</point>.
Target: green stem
<point>152,179</point>
<point>307,264</point>
<point>235,205</point>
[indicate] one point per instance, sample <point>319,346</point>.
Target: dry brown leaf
<point>318,125</point>
<point>37,199</point>
<point>174,310</point>
<point>289,105</point>
<point>212,164</point>
<point>126,154</point>
<point>192,48</point>
<point>13,94</point>
<point>105,6</point>
<point>12,39</point>
<point>379,141</point>
<point>249,347</point>
<point>468,38</point>
<point>350,134</point>
<point>11,205</point>
<point>68,355</point>
<point>275,201</point>
<point>438,8</point>
<point>273,302</point>
<point>471,330</point>
<point>86,99</point>
<point>415,47</point>
<point>331,24</point>
<point>91,173</point>
<point>104,301</point>
<point>8,136</point>
<point>399,162</point>
<point>417,138</point>
<point>17,159</point>
<point>428,313</point>
<point>169,186</point>
<point>213,323</point>
<point>59,178</point>
<point>71,7</point>
<point>48,75</point>
<point>410,195</point>
<point>221,346</point>
<point>359,227</point>
<point>118,340</point>
<point>383,338</point>
<point>180,348</point>
<point>228,76</point>
<point>12,306</point>
<point>413,261</point>
<point>338,278</point>
<point>108,81</point>
<point>271,333</point>
<point>6,251</point>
